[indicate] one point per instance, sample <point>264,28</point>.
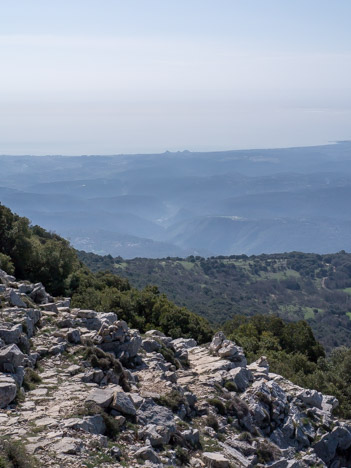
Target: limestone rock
<point>338,439</point>
<point>92,424</point>
<point>240,377</point>
<point>151,345</point>
<point>73,336</point>
<point>217,341</point>
<point>8,390</point>
<point>11,335</point>
<point>192,436</point>
<point>101,396</point>
<point>11,357</point>
<point>159,422</point>
<point>180,343</point>
<point>39,295</point>
<point>155,333</point>
<point>147,453</point>
<point>68,445</point>
<point>215,460</point>
<point>15,299</point>
<point>123,403</point>
<point>311,398</point>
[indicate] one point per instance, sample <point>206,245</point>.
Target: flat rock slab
<point>68,445</point>
<point>39,392</point>
<point>215,460</point>
<point>46,422</point>
<point>101,396</point>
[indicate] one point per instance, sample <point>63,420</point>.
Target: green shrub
<point>237,407</point>
<point>219,405</point>
<point>182,456</point>
<point>6,264</point>
<point>231,386</point>
<point>211,421</point>
<point>172,400</point>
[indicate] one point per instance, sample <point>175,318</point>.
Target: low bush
<point>219,405</point>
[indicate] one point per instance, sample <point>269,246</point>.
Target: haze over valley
<point>184,203</point>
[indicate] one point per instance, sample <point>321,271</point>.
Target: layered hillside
<point>79,388</point>
<point>184,203</point>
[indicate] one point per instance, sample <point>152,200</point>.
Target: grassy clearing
<point>186,265</point>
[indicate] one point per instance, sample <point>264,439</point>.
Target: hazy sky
<point>110,76</point>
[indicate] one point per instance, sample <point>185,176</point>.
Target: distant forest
<point>293,286</point>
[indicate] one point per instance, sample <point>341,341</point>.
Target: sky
<point>143,76</point>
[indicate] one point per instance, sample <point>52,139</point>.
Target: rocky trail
<point>79,388</point>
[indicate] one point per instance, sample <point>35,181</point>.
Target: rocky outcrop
<point>98,393</point>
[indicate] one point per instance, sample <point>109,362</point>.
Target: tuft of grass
<point>245,436</point>
<point>230,386</point>
<point>14,455</point>
<point>168,354</point>
<point>172,400</point>
<point>266,452</point>
<point>237,407</point>
<point>98,459</point>
<point>31,379</point>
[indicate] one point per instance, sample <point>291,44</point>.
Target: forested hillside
<point>295,286</point>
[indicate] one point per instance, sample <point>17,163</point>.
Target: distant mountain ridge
<point>218,203</point>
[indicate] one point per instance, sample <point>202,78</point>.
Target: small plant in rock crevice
<point>31,379</point>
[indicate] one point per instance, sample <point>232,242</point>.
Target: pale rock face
<point>180,343</point>
<point>311,398</point>
<point>15,300</point>
<point>155,333</point>
<point>68,445</point>
<point>8,390</point>
<point>240,377</point>
<point>92,424</point>
<point>151,345</point>
<point>39,295</point>
<point>119,340</point>
<point>11,356</point>
<point>101,396</point>
<point>338,438</point>
<point>5,278</point>
<point>123,403</point>
<point>215,460</point>
<point>147,453</point>
<point>192,436</point>
<point>11,335</point>
<point>227,349</point>
<point>159,423</point>
<point>217,341</point>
